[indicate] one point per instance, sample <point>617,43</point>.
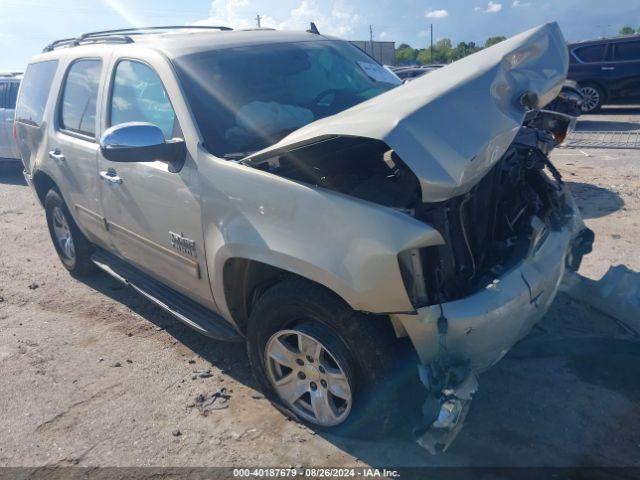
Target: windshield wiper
<point>236,156</point>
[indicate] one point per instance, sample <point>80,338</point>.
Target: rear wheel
<point>593,97</point>
<point>319,361</point>
<point>73,249</point>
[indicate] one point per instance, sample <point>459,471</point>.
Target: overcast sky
<point>26,26</point>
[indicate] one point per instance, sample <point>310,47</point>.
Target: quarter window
<point>36,85</point>
<point>591,54</point>
<point>12,95</point>
<point>80,97</point>
<point>627,52</point>
<point>139,96</point>
<point>4,86</point>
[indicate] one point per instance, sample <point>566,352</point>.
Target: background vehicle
<point>607,70</point>
<point>9,85</point>
<point>409,73</point>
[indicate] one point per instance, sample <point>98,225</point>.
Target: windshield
<point>248,98</point>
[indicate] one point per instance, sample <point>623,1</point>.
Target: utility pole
<point>371,39</point>
<point>431,48</point>
<point>258,18</point>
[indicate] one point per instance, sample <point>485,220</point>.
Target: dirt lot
<point>92,374</point>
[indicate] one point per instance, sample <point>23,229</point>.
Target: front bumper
<point>485,325</point>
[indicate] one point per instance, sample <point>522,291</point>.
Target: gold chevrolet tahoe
<point>285,190</point>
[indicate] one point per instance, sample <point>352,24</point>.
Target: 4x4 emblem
<point>183,244</point>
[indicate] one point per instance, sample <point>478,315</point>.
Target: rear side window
<point>80,97</point>
<point>627,52</point>
<point>592,53</point>
<point>12,95</point>
<point>36,85</point>
<point>4,86</point>
<point>139,96</point>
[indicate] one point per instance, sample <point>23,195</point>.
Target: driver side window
<point>139,96</point>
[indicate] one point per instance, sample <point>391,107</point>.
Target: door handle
<point>607,68</point>
<point>111,176</point>
<point>56,155</point>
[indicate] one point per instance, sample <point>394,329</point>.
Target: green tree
<point>443,51</point>
<point>444,44</point>
<point>493,40</point>
<point>424,56</point>
<point>627,30</point>
<point>463,49</point>
<point>405,54</point>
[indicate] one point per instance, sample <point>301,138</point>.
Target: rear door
<point>73,145</point>
<point>593,64</point>
<point>149,210</point>
<point>626,73</point>
<point>31,124</point>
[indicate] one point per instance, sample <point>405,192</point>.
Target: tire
<point>359,345</point>
<point>75,251</point>
<point>594,97</point>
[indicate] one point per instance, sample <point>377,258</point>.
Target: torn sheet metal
<point>451,126</point>
<point>449,406</point>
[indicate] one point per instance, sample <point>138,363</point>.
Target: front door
<point>151,212</point>
<point>626,70</point>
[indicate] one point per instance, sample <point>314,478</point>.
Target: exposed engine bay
<point>489,228</point>
<point>355,166</point>
<point>485,230</point>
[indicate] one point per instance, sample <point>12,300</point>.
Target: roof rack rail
<point>74,42</point>
<point>122,35</point>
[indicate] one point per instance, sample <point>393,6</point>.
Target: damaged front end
<point>464,150</point>
<point>507,244</point>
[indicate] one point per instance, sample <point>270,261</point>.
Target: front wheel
<point>309,371</point>
<point>73,249</point>
<point>319,361</point>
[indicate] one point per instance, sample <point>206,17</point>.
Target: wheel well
<point>42,184</point>
<point>245,281</point>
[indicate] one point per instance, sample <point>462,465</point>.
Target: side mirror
<point>142,142</point>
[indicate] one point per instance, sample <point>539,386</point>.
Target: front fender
<point>348,245</point>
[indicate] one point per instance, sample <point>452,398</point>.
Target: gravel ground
<point>93,375</point>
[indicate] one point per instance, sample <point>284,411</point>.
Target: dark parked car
<point>608,71</point>
<point>411,73</point>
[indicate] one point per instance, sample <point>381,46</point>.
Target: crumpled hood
<point>450,126</point>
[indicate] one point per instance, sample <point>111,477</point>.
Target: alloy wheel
<point>591,98</point>
<point>62,234</point>
<point>307,376</point>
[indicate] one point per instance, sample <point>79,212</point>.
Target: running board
<point>183,308</point>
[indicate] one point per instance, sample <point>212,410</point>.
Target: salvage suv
<point>286,190</point>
